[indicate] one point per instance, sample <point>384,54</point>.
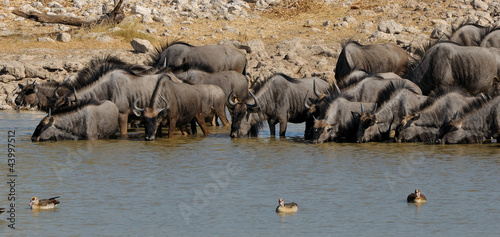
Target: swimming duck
<point>287,207</point>
<point>44,203</point>
<point>416,197</point>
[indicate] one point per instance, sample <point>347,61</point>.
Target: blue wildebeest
<point>422,124</point>
<point>468,34</point>
<point>473,124</point>
<point>379,125</point>
<point>41,96</point>
<point>338,122</point>
<point>122,88</point>
<point>90,119</point>
<point>370,58</point>
<point>181,104</point>
<point>229,81</point>
<point>180,56</point>
<point>448,64</point>
<point>279,99</point>
<point>44,95</point>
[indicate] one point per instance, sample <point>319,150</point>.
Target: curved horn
<point>405,110</point>
<point>230,99</point>
<point>314,89</point>
<point>362,108</point>
<point>74,94</point>
<point>34,83</point>
<point>374,108</point>
<point>166,104</point>
<point>337,89</point>
<point>135,106</point>
<point>55,93</point>
<point>255,104</point>
<point>28,82</point>
<point>305,102</point>
<point>455,116</point>
<point>50,112</point>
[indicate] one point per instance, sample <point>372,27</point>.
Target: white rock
<point>63,37</point>
<point>390,27</point>
<point>141,45</point>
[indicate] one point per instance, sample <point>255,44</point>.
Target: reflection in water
<point>217,186</point>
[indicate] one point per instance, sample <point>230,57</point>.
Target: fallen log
<point>113,17</point>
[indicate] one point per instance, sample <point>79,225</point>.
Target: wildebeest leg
<point>221,113</point>
<point>171,128</point>
<point>159,131</point>
<point>200,118</point>
<point>308,134</point>
<point>123,120</point>
<point>283,124</point>
<point>194,130</point>
<point>272,127</point>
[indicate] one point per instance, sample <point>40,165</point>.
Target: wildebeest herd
<point>448,94</point>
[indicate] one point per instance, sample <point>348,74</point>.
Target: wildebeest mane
<point>435,95</point>
<point>258,85</point>
<point>49,84</point>
<point>97,67</point>
<point>390,90</point>
<point>488,30</point>
<point>420,52</point>
<point>343,69</point>
<point>349,83</point>
<point>155,56</point>
<point>475,105</point>
<point>254,129</point>
<point>76,106</point>
<point>454,29</point>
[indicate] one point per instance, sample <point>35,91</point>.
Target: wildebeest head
<point>27,95</point>
<point>406,121</point>
<point>366,119</point>
<point>47,130</point>
<point>152,118</point>
<point>446,130</point>
<point>323,131</point>
<point>317,106</point>
<point>241,121</point>
<point>64,101</point>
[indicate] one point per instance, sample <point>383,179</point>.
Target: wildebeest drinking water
<point>279,99</point>
<point>422,124</point>
<point>181,104</point>
<point>44,95</point>
<point>90,119</point>
<point>473,124</point>
<point>371,59</point>
<point>180,56</point>
<point>378,125</point>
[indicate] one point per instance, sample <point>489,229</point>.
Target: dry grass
<point>284,21</point>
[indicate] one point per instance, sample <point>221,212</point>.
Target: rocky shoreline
<point>312,51</point>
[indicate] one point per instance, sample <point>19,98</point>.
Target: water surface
<point>218,186</point>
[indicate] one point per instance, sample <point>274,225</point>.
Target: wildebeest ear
<point>356,114</point>
<point>21,86</point>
